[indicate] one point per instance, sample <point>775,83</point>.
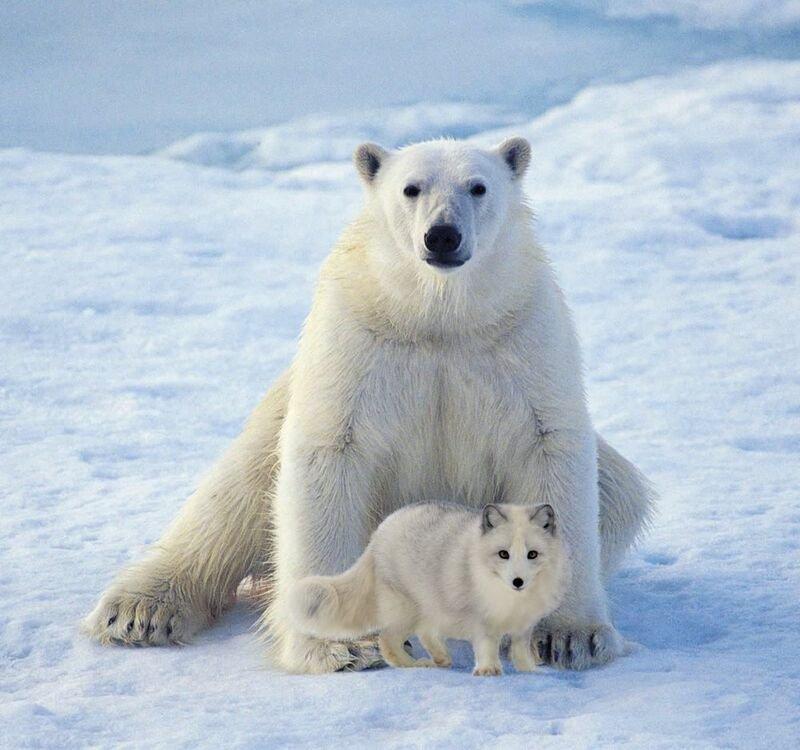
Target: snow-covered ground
<point>146,303</point>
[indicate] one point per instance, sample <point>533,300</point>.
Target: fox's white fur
<point>410,381</point>
<point>444,572</point>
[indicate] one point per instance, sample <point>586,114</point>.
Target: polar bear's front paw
<point>578,646</point>
<point>135,619</point>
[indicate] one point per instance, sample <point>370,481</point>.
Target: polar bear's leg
<point>322,518</point>
<point>218,537</point>
<point>561,469</point>
<point>626,505</point>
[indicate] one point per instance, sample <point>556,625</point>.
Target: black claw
<point>546,649</point>
<point>355,651</point>
<point>151,629</point>
<point>352,649</point>
<point>592,645</point>
<point>169,630</point>
<point>129,626</point>
<point>568,654</point>
<point>112,620</point>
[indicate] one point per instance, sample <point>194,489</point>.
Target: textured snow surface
<point>147,302</point>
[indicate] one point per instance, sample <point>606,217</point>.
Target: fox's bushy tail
<point>340,606</point>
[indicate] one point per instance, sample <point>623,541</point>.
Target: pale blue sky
<point>133,76</point>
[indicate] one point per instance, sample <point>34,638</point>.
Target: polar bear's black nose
<point>517,583</point>
<point>442,239</point>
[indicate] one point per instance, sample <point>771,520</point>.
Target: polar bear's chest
<point>450,420</point>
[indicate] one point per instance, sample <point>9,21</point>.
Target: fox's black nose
<point>442,239</point>
<point>517,583</point>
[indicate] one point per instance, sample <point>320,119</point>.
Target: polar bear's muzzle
<point>442,241</point>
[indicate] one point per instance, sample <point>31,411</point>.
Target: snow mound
<point>676,151</point>
<point>333,138</point>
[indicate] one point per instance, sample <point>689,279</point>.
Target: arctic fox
<point>441,571</point>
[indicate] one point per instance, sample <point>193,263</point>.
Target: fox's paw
<point>424,663</point>
<point>524,663</point>
<point>577,647</point>
<point>436,648</point>
<point>135,619</point>
<point>487,670</point>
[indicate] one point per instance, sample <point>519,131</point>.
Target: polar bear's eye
<point>411,191</point>
<point>478,189</point>
<point>533,554</point>
<point>503,553</point>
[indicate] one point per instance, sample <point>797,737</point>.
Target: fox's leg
<point>435,645</point>
<point>487,656</point>
<point>398,610</point>
<point>219,536</point>
<point>391,642</point>
<point>521,653</point>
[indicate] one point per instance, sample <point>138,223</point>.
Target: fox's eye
<point>533,554</point>
<point>478,189</point>
<point>503,553</point>
<point>411,191</point>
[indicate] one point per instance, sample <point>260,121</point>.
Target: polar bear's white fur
<point>430,367</point>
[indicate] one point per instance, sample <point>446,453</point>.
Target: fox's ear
<point>545,518</point>
<point>369,158</point>
<point>492,516</point>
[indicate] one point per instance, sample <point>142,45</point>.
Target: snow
<point>333,138</point>
<point>147,301</point>
<point>705,14</point>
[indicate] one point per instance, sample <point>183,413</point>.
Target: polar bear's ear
<point>368,159</point>
<point>516,153</point>
<point>545,518</point>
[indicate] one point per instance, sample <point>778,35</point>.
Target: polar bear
<point>439,360</point>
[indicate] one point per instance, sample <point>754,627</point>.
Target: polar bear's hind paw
<point>365,654</point>
<point>316,656</point>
